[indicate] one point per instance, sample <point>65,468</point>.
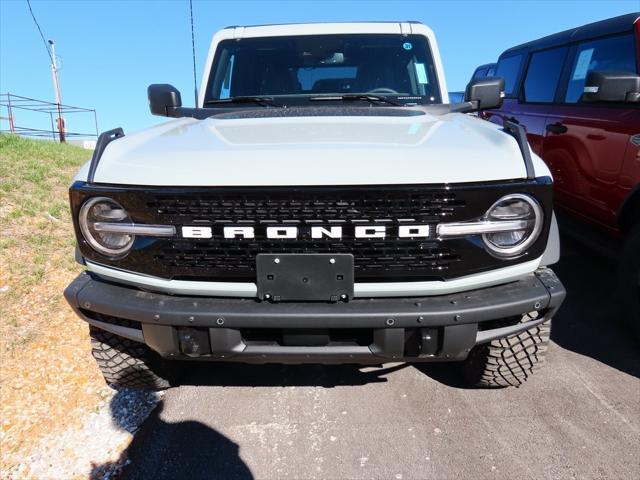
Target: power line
<point>193,51</point>
<point>40,30</point>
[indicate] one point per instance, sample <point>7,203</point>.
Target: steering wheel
<point>382,90</point>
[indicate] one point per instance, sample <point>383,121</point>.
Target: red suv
<point>577,93</point>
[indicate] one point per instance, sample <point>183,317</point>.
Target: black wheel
<point>125,363</point>
<point>510,361</point>
<point>629,280</point>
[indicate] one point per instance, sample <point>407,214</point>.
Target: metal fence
<point>38,118</point>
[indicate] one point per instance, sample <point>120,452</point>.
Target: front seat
<point>279,79</point>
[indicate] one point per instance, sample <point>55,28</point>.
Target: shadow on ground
<point>203,452</point>
<point>589,322</point>
<point>271,375</point>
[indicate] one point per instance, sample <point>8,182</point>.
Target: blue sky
<point>112,50</point>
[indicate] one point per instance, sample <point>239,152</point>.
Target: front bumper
<point>368,331</point>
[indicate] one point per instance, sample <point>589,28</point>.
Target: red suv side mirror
<point>623,87</point>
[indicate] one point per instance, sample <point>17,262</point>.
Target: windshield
<point>293,69</point>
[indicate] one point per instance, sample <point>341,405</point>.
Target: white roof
<point>325,29</point>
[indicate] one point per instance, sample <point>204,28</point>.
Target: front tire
<point>510,361</point>
<point>629,280</point>
<point>125,363</point>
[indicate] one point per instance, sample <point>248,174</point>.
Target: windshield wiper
<point>264,101</point>
<point>351,97</point>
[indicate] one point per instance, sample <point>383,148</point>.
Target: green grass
<point>36,233</point>
<point>31,170</point>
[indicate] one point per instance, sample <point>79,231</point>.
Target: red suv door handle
<point>594,136</point>
<point>556,128</point>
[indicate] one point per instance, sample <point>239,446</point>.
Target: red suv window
<point>542,77</point>
<point>508,68</point>
<point>613,53</point>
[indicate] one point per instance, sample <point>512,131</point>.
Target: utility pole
<point>56,86</point>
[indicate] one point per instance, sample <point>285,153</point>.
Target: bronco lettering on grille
<point>294,232</point>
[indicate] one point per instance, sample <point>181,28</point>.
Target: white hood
<point>314,150</point>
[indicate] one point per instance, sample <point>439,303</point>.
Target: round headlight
<point>525,219</point>
<point>101,210</point>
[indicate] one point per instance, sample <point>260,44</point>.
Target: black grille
<point>287,208</point>
<point>371,258</point>
<point>375,259</point>
<point>229,258</point>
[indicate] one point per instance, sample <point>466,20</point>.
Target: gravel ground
<point>94,450</point>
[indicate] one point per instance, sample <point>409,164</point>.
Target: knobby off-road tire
<point>510,361</point>
<point>125,363</point>
<point>628,280</point>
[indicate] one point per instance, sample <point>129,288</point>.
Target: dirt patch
<point>49,379</point>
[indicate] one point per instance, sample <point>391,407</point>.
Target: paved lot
<point>578,418</point>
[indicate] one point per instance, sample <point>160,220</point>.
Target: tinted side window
<point>508,68</point>
<point>542,77</point>
<point>613,53</point>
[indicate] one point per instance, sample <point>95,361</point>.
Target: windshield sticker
<point>407,46</point>
<point>421,73</point>
<point>582,65</point>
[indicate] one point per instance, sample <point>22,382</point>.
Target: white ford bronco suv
<point>322,203</point>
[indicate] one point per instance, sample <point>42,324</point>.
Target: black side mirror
<point>611,87</point>
<point>164,99</point>
<point>487,92</point>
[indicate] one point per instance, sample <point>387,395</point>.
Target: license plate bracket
<point>305,276</point>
